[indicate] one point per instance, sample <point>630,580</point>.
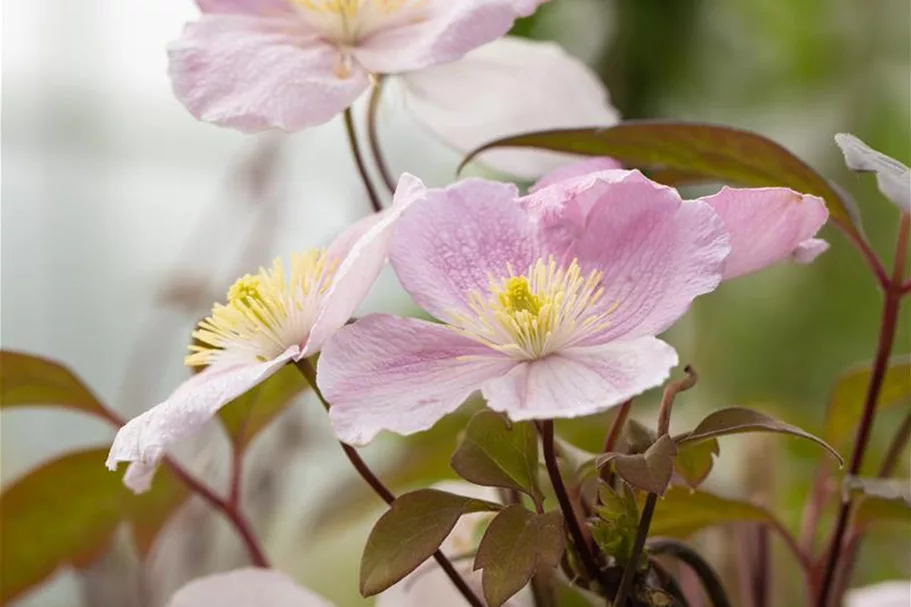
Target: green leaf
<point>880,500</point>
<point>638,436</point>
<point>618,520</point>
<point>495,452</point>
<point>61,513</point>
<point>681,153</point>
<point>846,404</point>
<point>409,533</point>
<point>695,460</point>
<point>683,512</point>
<point>32,381</point>
<point>245,416</point>
<point>737,420</point>
<point>517,544</point>
<point>650,471</point>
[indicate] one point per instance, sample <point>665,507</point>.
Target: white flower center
<point>531,315</point>
<point>347,22</point>
<point>265,313</point>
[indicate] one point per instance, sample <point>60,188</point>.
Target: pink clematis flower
<point>550,304</point>
<point>893,593</point>
<point>246,588</point>
<point>281,314</point>
<point>289,64</point>
<point>765,225</point>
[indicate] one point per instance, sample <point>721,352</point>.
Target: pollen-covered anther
<point>531,315</point>
<point>265,313</point>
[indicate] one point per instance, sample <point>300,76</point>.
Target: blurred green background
<point>797,71</point>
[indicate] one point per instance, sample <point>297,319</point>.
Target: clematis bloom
<point>893,593</point>
<point>550,304</point>
<point>290,64</point>
<point>249,587</point>
<point>281,314</point>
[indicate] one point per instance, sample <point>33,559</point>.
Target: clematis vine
<point>280,314</point>
<point>551,303</point>
<point>290,64</point>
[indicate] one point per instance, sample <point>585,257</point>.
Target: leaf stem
<point>546,429</point>
<point>306,368</point>
<point>891,305</point>
<point>373,139</point>
<point>700,567</point>
<point>359,160</point>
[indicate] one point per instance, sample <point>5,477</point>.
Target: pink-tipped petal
<point>246,588</point>
<point>145,438</point>
<point>453,239</point>
<point>581,381</point>
<point>366,247</point>
<point>246,7</point>
<point>444,32</point>
<point>255,73</point>
<point>496,91</point>
<point>893,177</point>
<point>595,164</point>
<point>656,252</point>
<point>399,374</point>
<point>766,225</point>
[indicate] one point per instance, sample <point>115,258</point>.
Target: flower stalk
<point>375,203</point>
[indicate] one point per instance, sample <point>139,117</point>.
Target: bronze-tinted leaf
<point>879,500</point>
<point>32,381</point>
<point>650,471</point>
<point>683,512</point>
<point>62,513</point>
<point>497,453</point>
<point>409,533</point>
<point>695,460</point>
<point>148,512</point>
<point>846,403</point>
<point>737,420</point>
<point>247,415</point>
<point>678,153</point>
<point>517,543</point>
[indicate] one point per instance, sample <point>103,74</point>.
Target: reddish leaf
<point>32,381</point>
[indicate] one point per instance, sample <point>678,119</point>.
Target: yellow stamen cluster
<point>265,313</point>
<point>534,314</point>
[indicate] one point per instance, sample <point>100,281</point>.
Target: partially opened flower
<point>893,177</point>
<point>544,328</point>
<point>509,87</point>
<point>246,588</point>
<point>765,225</point>
<point>894,593</point>
<point>289,64</point>
<point>281,314</point>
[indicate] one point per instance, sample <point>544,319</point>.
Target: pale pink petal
<point>366,247</point>
<point>139,475</point>
<point>246,7</point>
<point>399,374</point>
<point>145,438</point>
<point>446,31</point>
<point>246,588</point>
<point>595,164</point>
<point>254,73</point>
<point>893,177</point>
<point>453,239</point>
<point>766,225</point>
<point>893,593</point>
<point>656,252</point>
<point>508,87</point>
<point>581,381</point>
